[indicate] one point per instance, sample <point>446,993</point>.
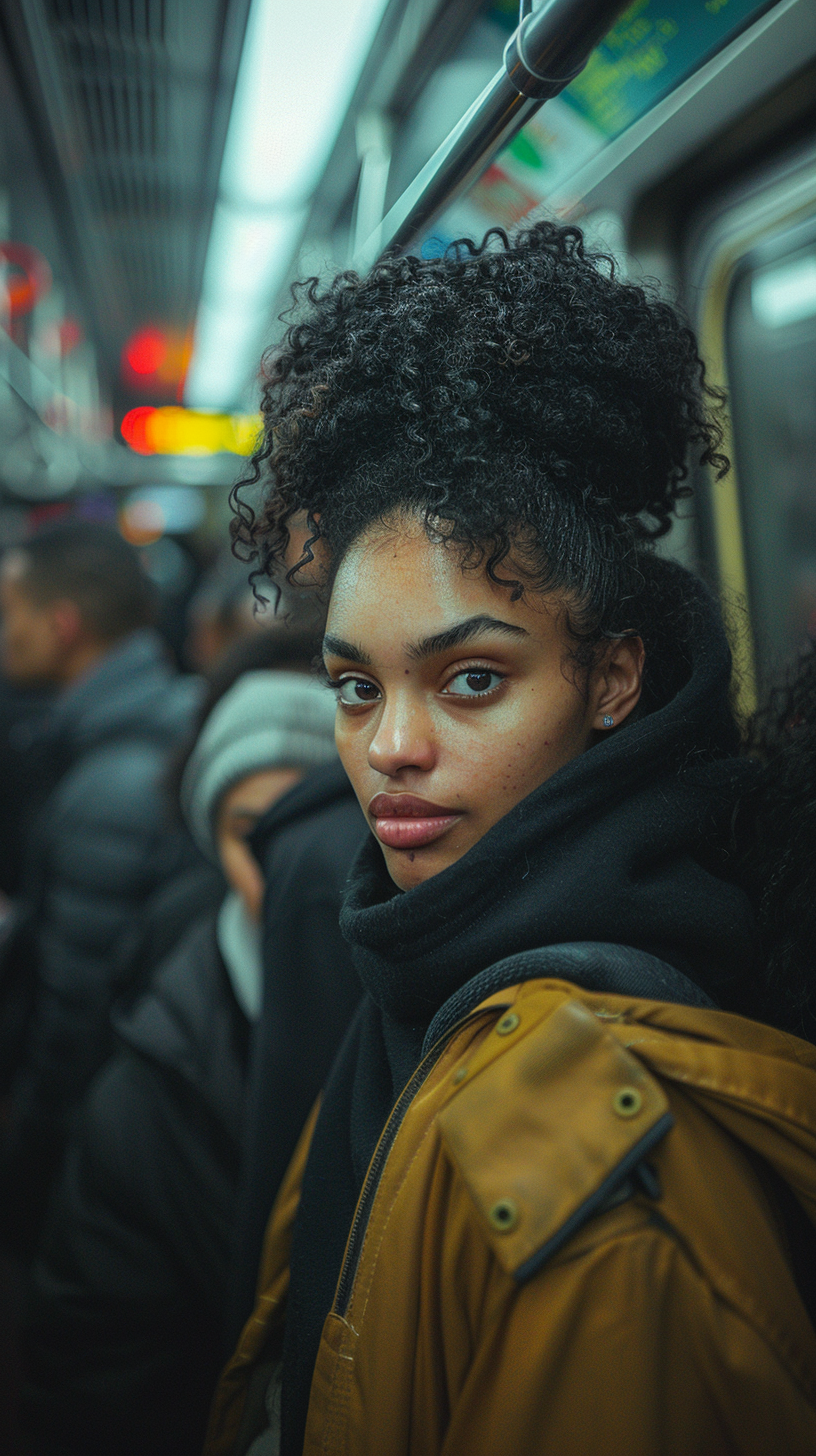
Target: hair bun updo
<point>511,391</point>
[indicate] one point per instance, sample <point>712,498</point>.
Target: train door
<point>751,280</point>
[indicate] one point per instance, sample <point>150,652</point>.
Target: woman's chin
<point>411,867</point>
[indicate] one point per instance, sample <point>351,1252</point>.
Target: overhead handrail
<point>549,49</point>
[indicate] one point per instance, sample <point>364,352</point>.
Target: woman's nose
<point>404,738</point>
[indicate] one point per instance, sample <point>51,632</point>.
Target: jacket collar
<point>592,965</point>
<point>132,688</point>
<point>317,790</point>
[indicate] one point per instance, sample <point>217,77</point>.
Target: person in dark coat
<point>306,844</point>
<point>20,711</point>
<point>778,826</point>
<point>76,611</point>
<point>199,883</point>
<point>125,1331</point>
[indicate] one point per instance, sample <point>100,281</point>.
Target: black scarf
<point>625,844</point>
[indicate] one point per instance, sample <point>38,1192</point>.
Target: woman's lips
<point>404,821</point>
<point>412,833</point>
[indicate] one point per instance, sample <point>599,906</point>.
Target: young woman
<point>553,1196</point>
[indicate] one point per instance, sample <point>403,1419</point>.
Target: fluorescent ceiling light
<point>223,356</point>
<point>247,261</point>
<point>299,67</point>
<point>300,64</point>
<point>785,294</point>
<point>248,254</point>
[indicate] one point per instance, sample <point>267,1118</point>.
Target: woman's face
<point>238,812</point>
<point>454,702</point>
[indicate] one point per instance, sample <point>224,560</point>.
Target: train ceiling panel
<point>134,96</point>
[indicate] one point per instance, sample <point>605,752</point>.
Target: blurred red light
<point>70,334</point>
<point>134,428</point>
<point>29,283</point>
<point>146,351</point>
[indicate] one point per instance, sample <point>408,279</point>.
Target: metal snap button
<point>508,1023</point>
<point>504,1215</point>
<point>627,1102</point>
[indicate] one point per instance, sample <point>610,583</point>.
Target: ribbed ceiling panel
<point>138,82</point>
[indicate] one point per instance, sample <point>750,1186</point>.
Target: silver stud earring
<point>608,722</point>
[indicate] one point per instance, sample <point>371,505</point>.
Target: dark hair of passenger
<point>782,858</point>
<point>277,650</point>
<point>528,405</point>
<point>94,567</point>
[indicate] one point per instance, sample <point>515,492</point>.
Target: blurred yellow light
<point>172,430</point>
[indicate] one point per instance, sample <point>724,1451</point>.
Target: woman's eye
<point>355,691</point>
<point>474,682</point>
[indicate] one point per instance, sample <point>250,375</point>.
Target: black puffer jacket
<point>123,1338</point>
<point>197,888</point>
<point>100,844</point>
<point>20,786</point>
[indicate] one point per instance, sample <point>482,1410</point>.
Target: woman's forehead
<point>404,587</point>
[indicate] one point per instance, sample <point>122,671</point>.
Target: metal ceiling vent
<point>115,57</point>
<point>132,89</point>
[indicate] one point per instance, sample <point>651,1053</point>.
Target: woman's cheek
<point>495,726</point>
<point>352,733</point>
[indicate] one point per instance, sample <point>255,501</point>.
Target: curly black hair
<point>781,858</point>
<point>521,399</point>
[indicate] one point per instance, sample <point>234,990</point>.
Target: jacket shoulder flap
<point>546,1132</point>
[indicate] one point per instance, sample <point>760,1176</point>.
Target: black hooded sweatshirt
<point>627,845</point>
<point>305,845</point>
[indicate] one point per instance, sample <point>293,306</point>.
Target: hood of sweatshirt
<point>317,790</point>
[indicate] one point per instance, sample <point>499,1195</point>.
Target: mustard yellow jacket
<point>571,1242</point>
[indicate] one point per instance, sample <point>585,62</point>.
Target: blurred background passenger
<point>780,821</point>
<point>21,710</point>
<point>222,612</point>
<point>76,615</point>
<point>306,845</point>
<point>199,883</point>
<point>126,1326</point>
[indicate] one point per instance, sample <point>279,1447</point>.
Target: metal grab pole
<point>547,51</point>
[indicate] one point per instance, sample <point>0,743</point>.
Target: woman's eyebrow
<point>460,633</point>
<point>351,651</point>
<point>454,636</point>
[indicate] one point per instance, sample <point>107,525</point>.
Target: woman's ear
<point>616,682</point>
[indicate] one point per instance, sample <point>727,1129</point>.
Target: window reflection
<point>771,350</point>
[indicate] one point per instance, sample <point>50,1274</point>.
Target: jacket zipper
<point>362,1214</point>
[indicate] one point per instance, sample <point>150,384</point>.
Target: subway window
<point>771,361</point>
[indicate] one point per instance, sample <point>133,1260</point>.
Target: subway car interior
<point>168,170</point>
<point>158,203</point>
